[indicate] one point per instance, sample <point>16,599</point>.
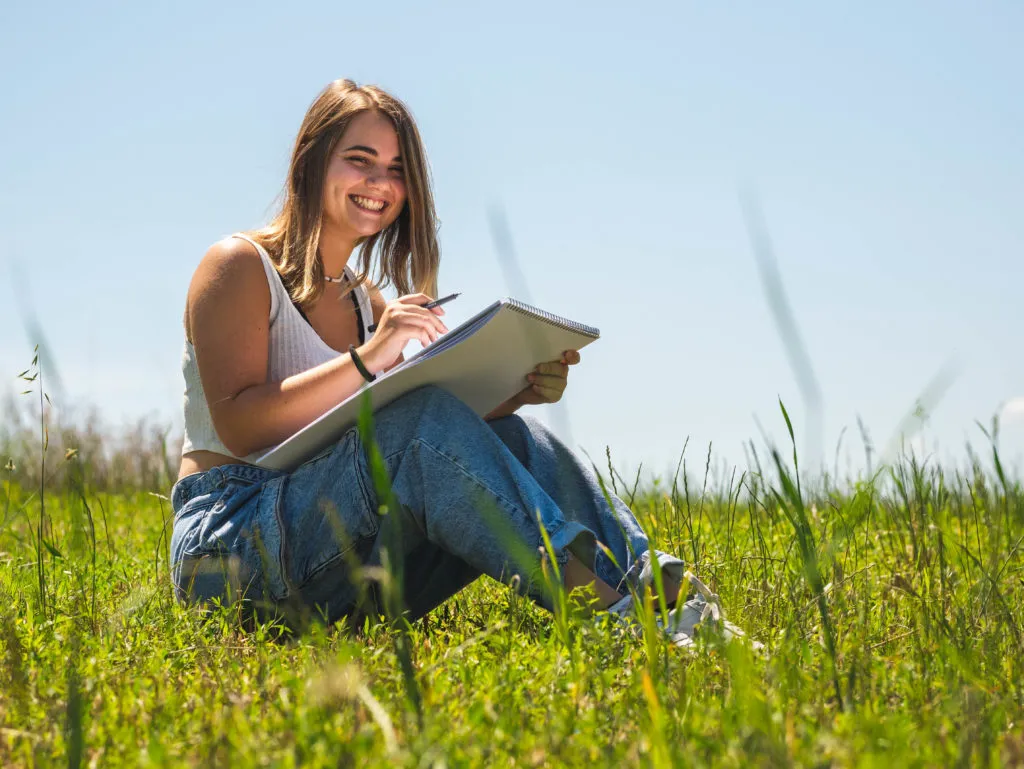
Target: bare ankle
<point>575,575</point>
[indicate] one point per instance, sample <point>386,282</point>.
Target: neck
<point>335,250</point>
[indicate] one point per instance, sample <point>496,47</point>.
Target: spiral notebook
<point>483,361</point>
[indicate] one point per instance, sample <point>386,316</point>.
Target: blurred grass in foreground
<point>892,608</point>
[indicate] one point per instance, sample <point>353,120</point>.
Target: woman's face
<point>364,190</point>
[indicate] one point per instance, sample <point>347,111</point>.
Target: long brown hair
<point>409,254</point>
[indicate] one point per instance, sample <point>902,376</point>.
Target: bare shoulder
<point>230,259</point>
<point>230,277</point>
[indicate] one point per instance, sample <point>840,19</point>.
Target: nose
<point>376,177</point>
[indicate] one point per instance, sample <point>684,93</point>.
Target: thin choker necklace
<point>339,279</point>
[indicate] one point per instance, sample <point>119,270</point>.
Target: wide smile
<point>369,205</point>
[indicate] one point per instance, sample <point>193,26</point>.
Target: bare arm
<point>227,319</point>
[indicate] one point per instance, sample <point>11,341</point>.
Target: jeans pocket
<point>209,520</point>
<point>214,520</point>
<point>315,519</point>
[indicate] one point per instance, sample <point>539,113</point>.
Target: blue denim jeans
<point>466,489</point>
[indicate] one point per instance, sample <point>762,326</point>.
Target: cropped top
<point>294,346</point>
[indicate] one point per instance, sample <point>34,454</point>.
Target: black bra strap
<point>359,317</point>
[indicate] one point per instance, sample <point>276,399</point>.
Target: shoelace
<point>710,608</point>
<point>712,603</point>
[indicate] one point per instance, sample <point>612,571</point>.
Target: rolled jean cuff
<point>573,537</point>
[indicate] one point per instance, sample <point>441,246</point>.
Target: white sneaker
<point>624,611</point>
<point>701,615</point>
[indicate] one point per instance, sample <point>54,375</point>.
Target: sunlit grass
<point>891,608</point>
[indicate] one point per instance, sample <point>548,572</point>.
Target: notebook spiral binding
<point>555,320</point>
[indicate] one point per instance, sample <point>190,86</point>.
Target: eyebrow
<point>369,151</point>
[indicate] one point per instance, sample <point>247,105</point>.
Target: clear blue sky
<point>885,143</point>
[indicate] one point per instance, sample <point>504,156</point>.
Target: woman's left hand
<point>548,380</point>
<point>547,383</point>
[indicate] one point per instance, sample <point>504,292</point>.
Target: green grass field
<point>891,610</point>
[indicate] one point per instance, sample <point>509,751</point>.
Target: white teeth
<point>373,205</point>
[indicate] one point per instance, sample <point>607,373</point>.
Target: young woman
<point>278,330</point>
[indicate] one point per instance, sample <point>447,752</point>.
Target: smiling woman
<point>380,161</point>
<point>278,329</point>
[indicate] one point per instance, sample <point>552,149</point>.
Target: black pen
<point>427,306</point>
<point>439,302</point>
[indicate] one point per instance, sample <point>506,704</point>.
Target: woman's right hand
<point>403,319</point>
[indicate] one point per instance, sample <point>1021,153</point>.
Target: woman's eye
<point>358,160</point>
<point>397,171</point>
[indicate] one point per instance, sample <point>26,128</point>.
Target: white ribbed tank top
<point>294,347</point>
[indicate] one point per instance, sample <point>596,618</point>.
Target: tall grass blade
<point>518,287</point>
<point>392,556</point>
<point>791,502</point>
<point>785,322</point>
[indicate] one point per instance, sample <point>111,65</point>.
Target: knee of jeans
<point>531,429</point>
<point>434,396</point>
<point>527,427</point>
<point>437,406</point>
<point>521,434</point>
<point>540,434</point>
<point>514,423</point>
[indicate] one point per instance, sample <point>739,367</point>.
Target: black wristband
<point>359,364</point>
